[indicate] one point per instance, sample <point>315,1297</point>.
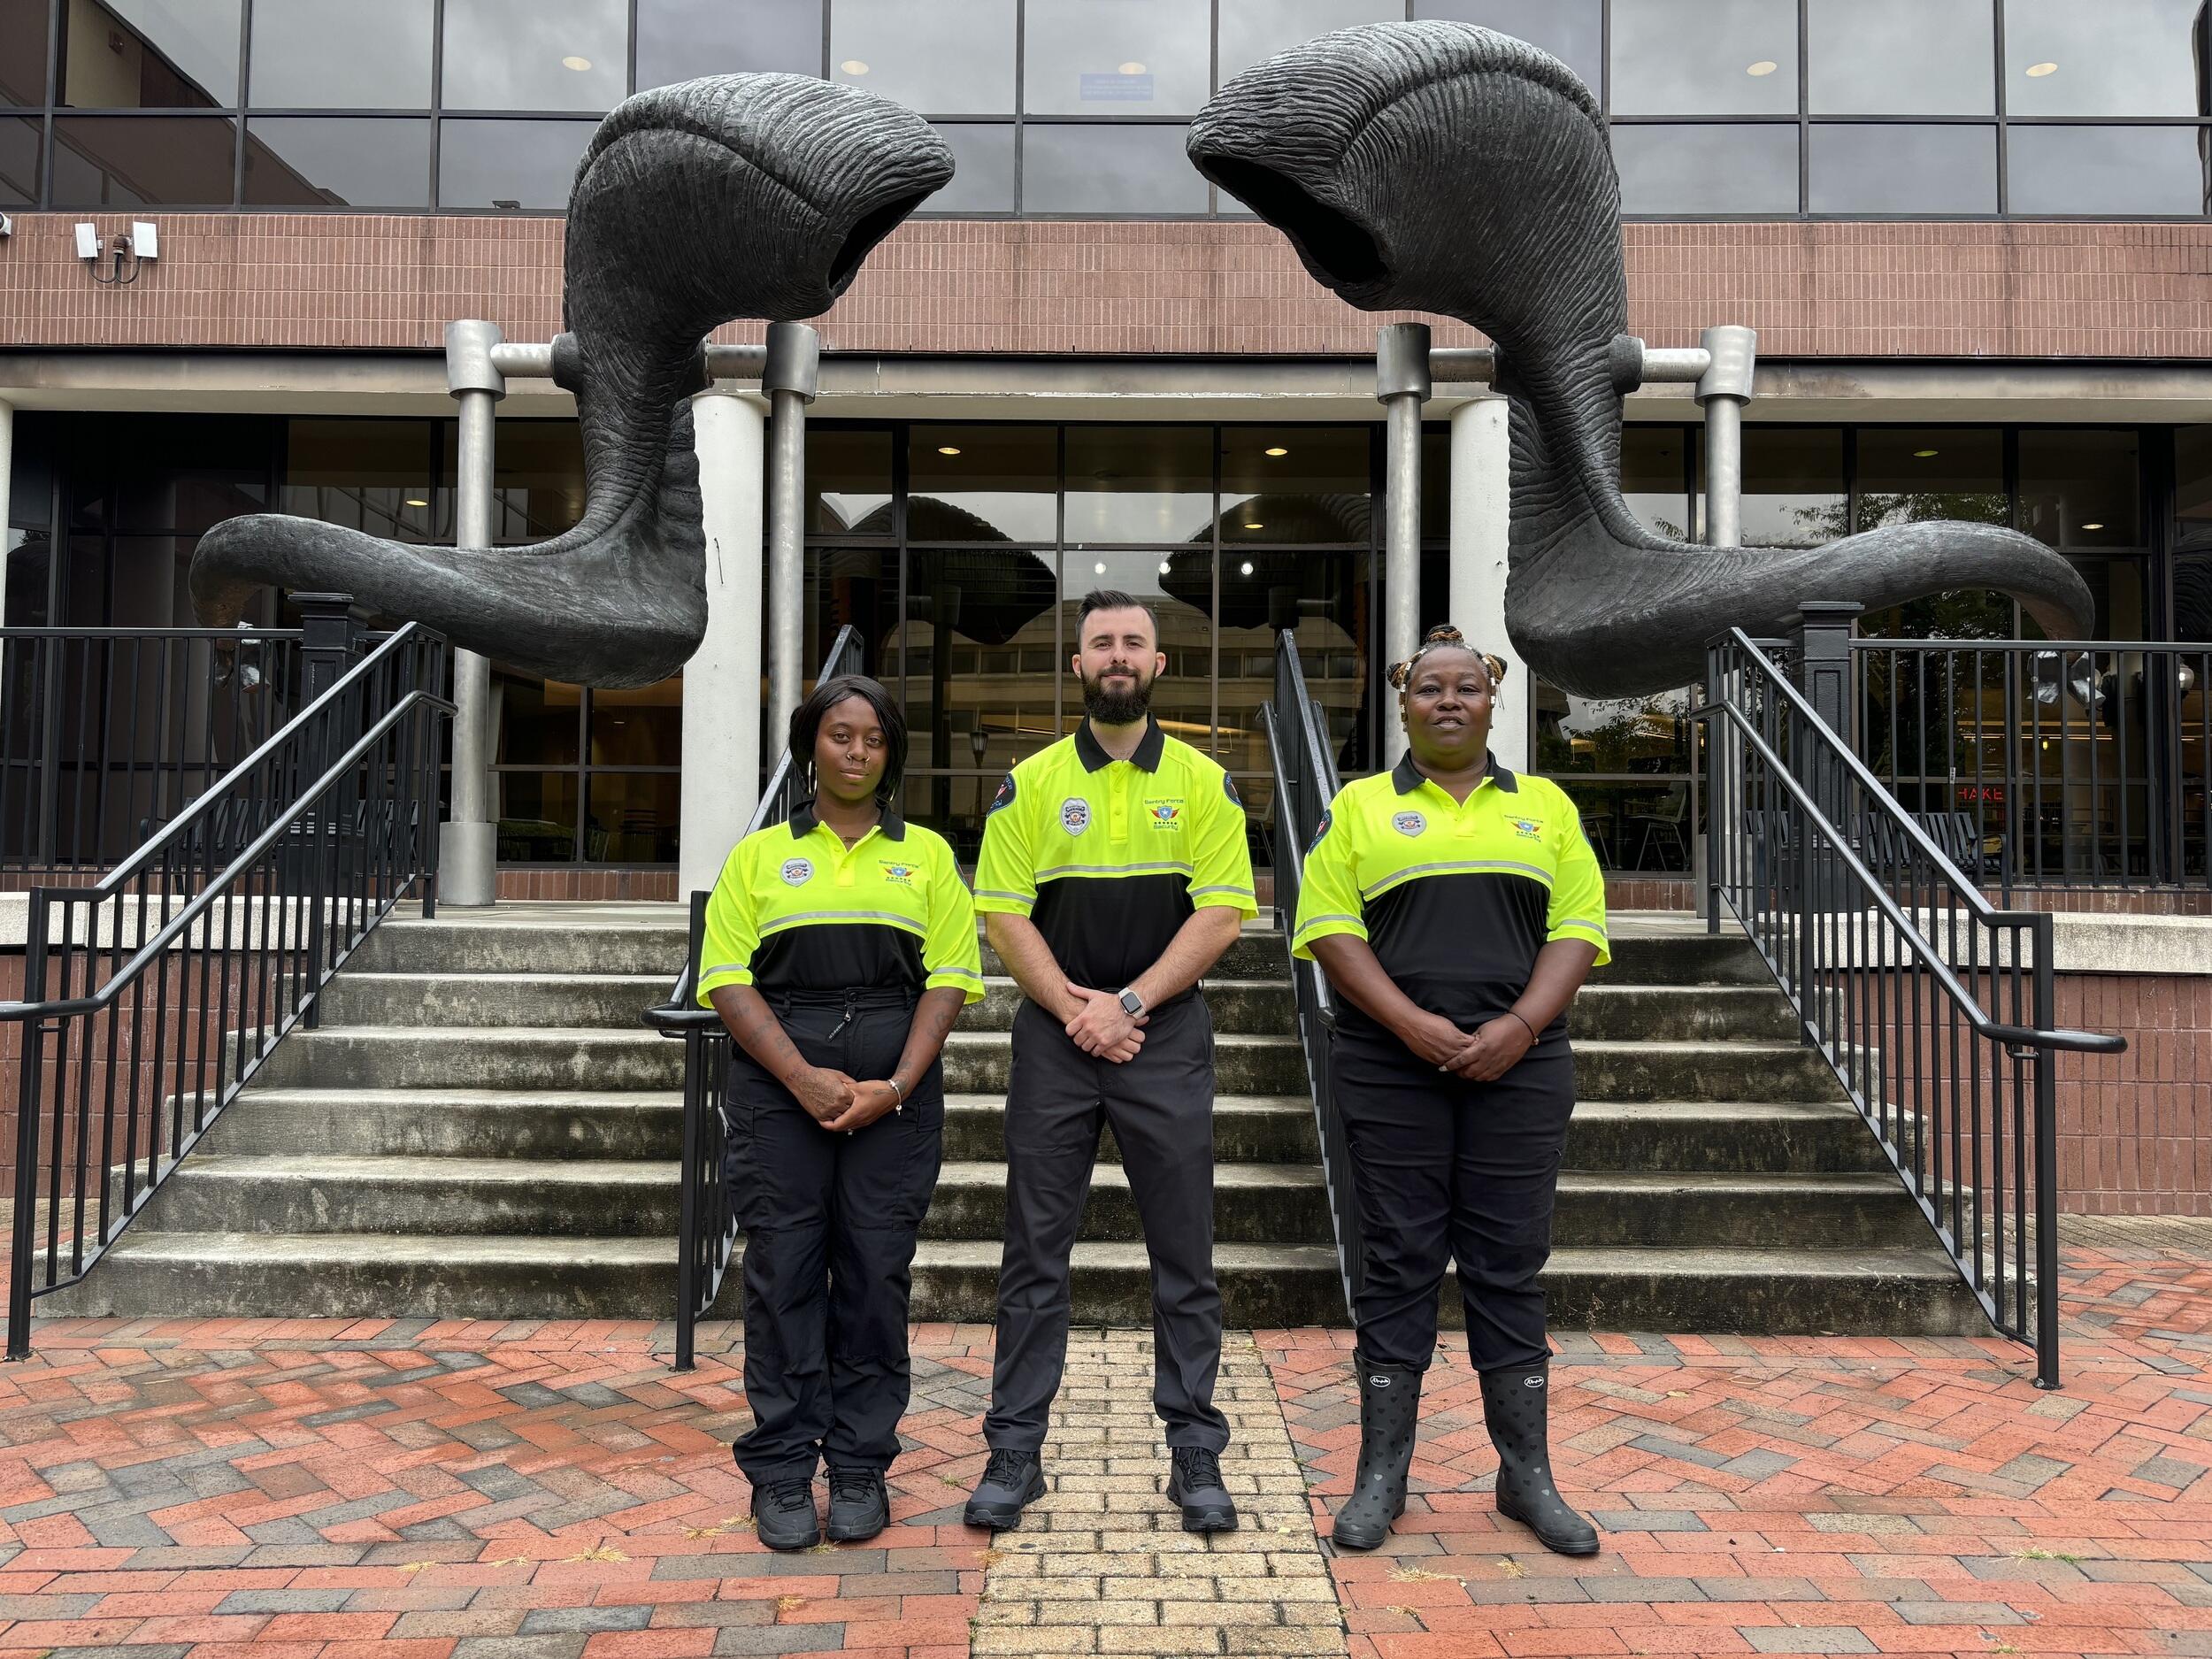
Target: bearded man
<point>1113,872</point>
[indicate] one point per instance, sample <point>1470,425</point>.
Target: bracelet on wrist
<point>1525,1026</point>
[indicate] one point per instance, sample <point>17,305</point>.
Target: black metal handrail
<point>2064,762</point>
<point>1305,783</point>
<point>706,1220</point>
<point>151,998</point>
<point>1934,1009</point>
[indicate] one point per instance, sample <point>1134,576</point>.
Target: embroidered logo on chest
<point>797,871</point>
<point>1164,815</point>
<point>898,875</point>
<point>1075,815</point>
<point>1528,828</point>
<point>1409,823</point>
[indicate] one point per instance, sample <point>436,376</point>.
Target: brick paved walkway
<point>323,1490</point>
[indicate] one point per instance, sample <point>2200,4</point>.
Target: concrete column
<point>721,776</point>
<point>1482,507</point>
<point>790,377</point>
<point>469,844</point>
<point>1402,385</point>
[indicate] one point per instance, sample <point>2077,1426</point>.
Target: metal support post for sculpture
<point>1402,385</point>
<point>722,704</point>
<point>791,378</point>
<point>1722,392</point>
<point>469,842</point>
<point>1482,511</point>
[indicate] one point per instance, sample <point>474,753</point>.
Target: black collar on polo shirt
<point>1150,747</point>
<point>891,823</point>
<point>1409,777</point>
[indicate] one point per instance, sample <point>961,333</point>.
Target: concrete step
<point>1903,1293</point>
<point>1736,1070</point>
<point>1607,1011</point>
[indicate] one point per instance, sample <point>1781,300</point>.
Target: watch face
<point>1132,1002</point>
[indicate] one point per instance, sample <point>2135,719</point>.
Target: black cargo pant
<point>830,1223</point>
<point>1161,1106</point>
<point>1447,1170</point>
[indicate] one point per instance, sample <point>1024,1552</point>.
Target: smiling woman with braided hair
<point>1456,908</point>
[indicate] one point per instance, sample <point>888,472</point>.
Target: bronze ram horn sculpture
<point>1442,167</point>
<point>736,195</point>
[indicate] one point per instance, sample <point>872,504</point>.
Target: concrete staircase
<point>481,1128</point>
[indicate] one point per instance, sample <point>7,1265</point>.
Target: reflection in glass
<point>856,587</point>
<point>981,665</point>
<point>2139,57</point>
<point>848,480</point>
<point>1634,826</point>
<point>1071,169</point>
<point>527,164</point>
<point>2193,602</point>
<point>1113,57</point>
<point>983,169</point>
<point>1322,594</point>
<point>538,720</point>
<point>536,54</point>
<point>1254,30</point>
<point>1295,484</point>
<point>1612,734</point>
<point>537,478</point>
<point>632,818</point>
<point>2109,171</point>
<point>1899,57</point>
<point>1895,168</point>
<point>1139,483</point>
<point>1654,477</point>
<point>22,52</point>
<point>367,476</point>
<point>2116,585</point>
<point>337,162</point>
<point>982,484</point>
<point>144,161</point>
<point>1436,484</point>
<point>341,55</point>
<point>1704,56</point>
<point>1572,31</point>
<point>906,52</point>
<point>19,152</point>
<point>1793,487</point>
<point>536,817</point>
<point>1695,169</point>
<point>149,54</point>
<point>1182,697</point>
<point>680,40</point>
<point>2079,489</point>
<point>1910,475</point>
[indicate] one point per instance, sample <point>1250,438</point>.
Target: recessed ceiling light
<point>1246,567</point>
<point>2092,526</point>
<point>1922,455</point>
<point>1099,569</point>
<point>1133,69</point>
<point>414,501</point>
<point>2035,72</point>
<point>1164,570</point>
<point>853,66</point>
<point>1764,66</point>
<point>576,63</point>
<point>1279,450</point>
<point>1253,524</point>
<point>948,448</point>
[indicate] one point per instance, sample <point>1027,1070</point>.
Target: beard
<point>1117,708</point>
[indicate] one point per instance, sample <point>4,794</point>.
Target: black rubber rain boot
<point>1515,1408</point>
<point>1389,1413</point>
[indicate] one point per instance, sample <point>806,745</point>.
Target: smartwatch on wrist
<point>1131,1004</point>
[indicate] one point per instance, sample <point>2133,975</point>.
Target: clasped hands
<point>840,1103</point>
<point>1102,1026</point>
<point>1495,1049</point>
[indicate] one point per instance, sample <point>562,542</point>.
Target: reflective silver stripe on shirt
<point>890,918</point>
<point>727,967</point>
<point>958,974</point>
<point>1312,922</point>
<point>1242,892</point>
<point>1114,869</point>
<point>1577,921</point>
<point>1011,898</point>
<point>1459,867</point>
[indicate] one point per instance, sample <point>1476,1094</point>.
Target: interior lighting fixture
<point>1254,523</point>
<point>853,66</point>
<point>1764,66</point>
<point>1164,569</point>
<point>2035,72</point>
<point>948,448</point>
<point>576,63</point>
<point>2093,527</point>
<point>1099,569</point>
<point>1246,567</point>
<point>415,500</point>
<point>1279,450</point>
<point>1133,69</point>
<point>1922,455</point>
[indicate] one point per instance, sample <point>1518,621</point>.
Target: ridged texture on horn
<point>737,196</point>
<point>1442,167</point>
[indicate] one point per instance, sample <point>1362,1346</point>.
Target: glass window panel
<point>2133,57</point>
<point>680,40</point>
<point>1140,484</point>
<point>537,720</point>
<point>20,148</point>
<point>1572,31</point>
<point>983,484</point>
<point>537,479</point>
<point>981,660</point>
<point>856,587</point>
<point>1908,475</point>
<point>2112,171</point>
<point>642,726</point>
<point>1182,697</point>
<point>1612,734</point>
<point>1654,477</point>
<point>1636,827</point>
<point>983,169</point>
<point>1070,169</point>
<point>536,54</point>
<point>337,162</point>
<point>1960,614</point>
<point>1793,487</point>
<point>1694,169</point>
<point>848,479</point>
<point>536,817</point>
<point>631,818</point>
<point>2079,489</point>
<point>341,55</point>
<point>1322,596</point>
<point>368,475</point>
<point>2193,606</point>
<point>1115,58</point>
<point>1254,30</point>
<point>906,52</point>
<point>2193,489</point>
<point>23,51</point>
<point>142,161</point>
<point>1899,57</point>
<point>1895,168</point>
<point>510,164</point>
<point>2117,587</point>
<point>149,54</point>
<point>1295,484</point>
<point>1436,484</point>
<point>1704,56</point>
<point>208,470</point>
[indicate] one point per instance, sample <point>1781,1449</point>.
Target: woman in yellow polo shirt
<point>1456,908</point>
<point>840,948</point>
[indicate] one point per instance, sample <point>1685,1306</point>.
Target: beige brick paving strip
<point>1101,1565</point>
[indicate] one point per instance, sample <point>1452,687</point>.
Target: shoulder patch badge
<point>797,871</point>
<point>1075,815</point>
<point>1320,830</point>
<point>1409,823</point>
<point>1229,789</point>
<point>1004,797</point>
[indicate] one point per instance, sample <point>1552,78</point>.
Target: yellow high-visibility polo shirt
<point>1456,898</point>
<point>795,910</point>
<point>1110,857</point>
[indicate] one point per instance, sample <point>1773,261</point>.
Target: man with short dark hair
<point>1113,872</point>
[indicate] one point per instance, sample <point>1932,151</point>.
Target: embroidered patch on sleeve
<point>1004,797</point>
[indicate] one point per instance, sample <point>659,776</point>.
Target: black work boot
<point>1195,1481</point>
<point>1010,1481</point>
<point>859,1506</point>
<point>1389,1414</point>
<point>783,1511</point>
<point>1515,1409</point>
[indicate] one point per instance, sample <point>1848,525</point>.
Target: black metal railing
<point>1934,1009</point>
<point>153,996</point>
<point>2048,763</point>
<point>706,1219</point>
<point>1305,783</point>
<point>107,733</point>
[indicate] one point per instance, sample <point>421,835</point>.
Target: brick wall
<point>2135,1129</point>
<point>2012,289</point>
